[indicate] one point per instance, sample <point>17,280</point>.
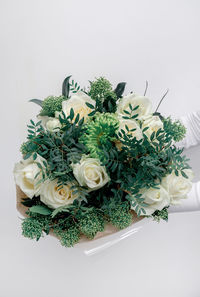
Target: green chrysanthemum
<point>100,133</point>
<point>51,104</point>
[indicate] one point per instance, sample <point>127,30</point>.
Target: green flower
<point>69,237</point>
<point>91,223</point>
<point>120,216</point>
<point>51,104</point>
<point>100,133</point>
<point>101,89</point>
<point>175,129</point>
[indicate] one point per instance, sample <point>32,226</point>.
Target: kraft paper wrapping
<point>109,229</point>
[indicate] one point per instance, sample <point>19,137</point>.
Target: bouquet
<point>96,161</point>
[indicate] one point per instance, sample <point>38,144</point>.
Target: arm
<point>192,124</point>
<point>192,203</point>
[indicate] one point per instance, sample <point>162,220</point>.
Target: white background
<point>41,43</point>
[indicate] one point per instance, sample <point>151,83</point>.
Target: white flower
<point>53,125</point>
<point>78,103</point>
<point>178,186</point>
<point>24,174</point>
<point>89,173</point>
<point>145,106</point>
<point>156,199</point>
<point>54,196</point>
<point>154,123</point>
<point>49,123</point>
<point>131,124</point>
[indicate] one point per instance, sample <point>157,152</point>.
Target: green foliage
<point>120,215</point>
<point>101,91</point>
<point>160,215</point>
<point>28,147</point>
<point>119,90</point>
<point>33,226</point>
<point>66,87</point>
<point>100,133</point>
<point>174,128</point>
<point>40,209</point>
<point>60,149</point>
<point>131,113</point>
<point>52,104</point>
<point>91,223</point>
<point>74,87</point>
<point>69,237</point>
<point>37,101</point>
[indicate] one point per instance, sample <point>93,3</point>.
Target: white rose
<point>156,199</point>
<point>131,124</point>
<point>53,125</point>
<point>54,196</point>
<point>154,123</point>
<point>89,173</point>
<point>49,123</point>
<point>144,109</point>
<point>178,186</point>
<point>78,103</point>
<point>24,174</point>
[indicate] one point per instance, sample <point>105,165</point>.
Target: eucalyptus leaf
<point>37,101</point>
<point>66,87</point>
<point>90,105</point>
<point>119,90</point>
<point>40,209</point>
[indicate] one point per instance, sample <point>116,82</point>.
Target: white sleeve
<point>192,124</point>
<point>192,203</point>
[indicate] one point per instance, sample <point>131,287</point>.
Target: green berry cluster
<point>91,223</point>
<point>52,104</point>
<point>160,215</point>
<point>120,216</point>
<point>175,128</point>
<point>69,237</point>
<point>101,89</point>
<point>33,227</point>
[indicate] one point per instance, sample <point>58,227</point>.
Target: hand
<point>191,203</point>
<point>192,124</point>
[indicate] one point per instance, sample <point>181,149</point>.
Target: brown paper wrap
<point>109,228</point>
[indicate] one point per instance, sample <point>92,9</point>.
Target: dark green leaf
<point>184,174</point>
<point>66,86</point>
<point>90,105</point>
<point>40,209</point>
<point>126,111</point>
<point>37,101</point>
<point>92,113</point>
<point>152,136</point>
<point>71,114</point>
<point>34,156</point>
<point>119,90</point>
<point>27,156</point>
<point>145,129</point>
